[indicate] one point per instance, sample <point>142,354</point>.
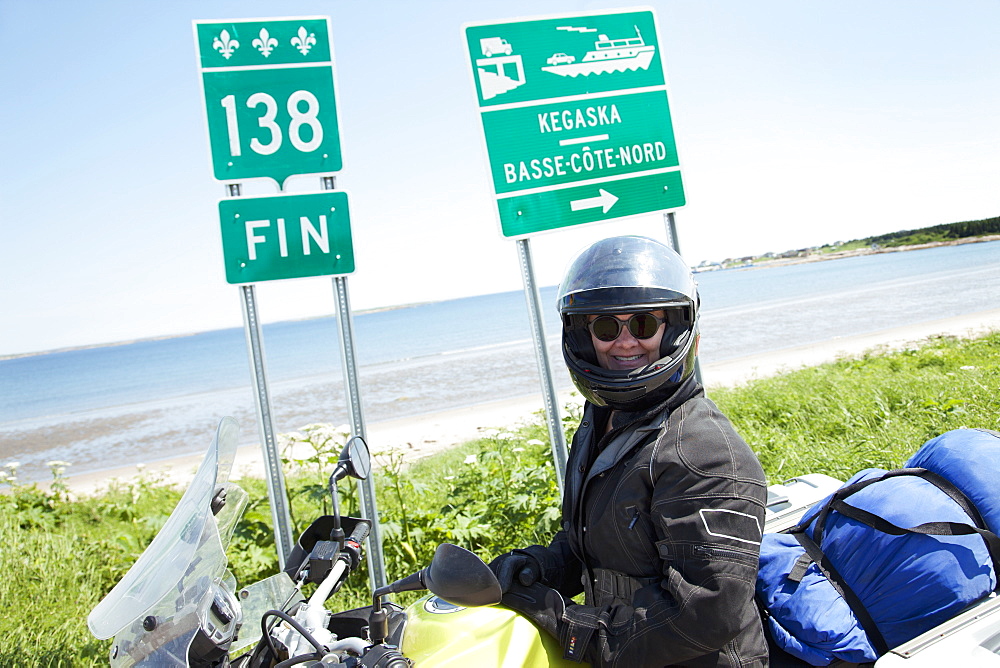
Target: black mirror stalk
<point>355,461</point>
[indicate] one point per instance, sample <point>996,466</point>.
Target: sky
<point>797,124</point>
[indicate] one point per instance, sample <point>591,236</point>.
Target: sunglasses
<point>641,326</point>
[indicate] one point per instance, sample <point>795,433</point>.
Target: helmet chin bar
<point>637,388</point>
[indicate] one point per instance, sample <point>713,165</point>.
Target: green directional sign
<point>573,107</point>
<point>286,236</point>
<point>270,97</point>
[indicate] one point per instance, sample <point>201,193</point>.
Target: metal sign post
<point>277,494</point>
<point>348,359</point>
<point>366,488</point>
<point>557,437</point>
<point>668,221</point>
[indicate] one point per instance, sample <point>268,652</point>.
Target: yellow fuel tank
<point>441,635</point>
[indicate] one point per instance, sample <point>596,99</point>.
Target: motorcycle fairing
<point>156,610</point>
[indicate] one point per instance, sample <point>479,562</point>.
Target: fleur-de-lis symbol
<point>304,41</point>
<point>265,43</point>
<point>225,45</point>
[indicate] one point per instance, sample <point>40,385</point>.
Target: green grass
<point>60,556</point>
<point>871,411</point>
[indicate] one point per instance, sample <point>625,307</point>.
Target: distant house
<point>707,265</point>
<point>801,252</point>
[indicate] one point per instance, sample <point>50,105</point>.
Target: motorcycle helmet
<point>629,274</point>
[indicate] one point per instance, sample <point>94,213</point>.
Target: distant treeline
<point>971,228</point>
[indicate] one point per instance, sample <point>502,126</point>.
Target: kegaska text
<point>570,119</point>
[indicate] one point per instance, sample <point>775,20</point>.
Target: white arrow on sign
<point>605,200</point>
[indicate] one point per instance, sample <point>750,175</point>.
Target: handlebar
<point>328,585</point>
<point>352,545</point>
<point>319,559</point>
<point>360,531</point>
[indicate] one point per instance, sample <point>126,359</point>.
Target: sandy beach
<point>424,435</point>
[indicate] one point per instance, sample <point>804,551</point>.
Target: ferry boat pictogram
<point>609,55</point>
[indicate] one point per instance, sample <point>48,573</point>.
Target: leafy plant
<point>315,450</point>
<point>490,495</point>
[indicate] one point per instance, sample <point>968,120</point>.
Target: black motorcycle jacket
<point>662,522</point>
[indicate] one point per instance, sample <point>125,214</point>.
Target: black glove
<point>380,656</point>
<point>542,605</point>
<point>516,567</point>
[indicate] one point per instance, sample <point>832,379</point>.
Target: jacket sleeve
<point>565,572</point>
<point>706,516</point>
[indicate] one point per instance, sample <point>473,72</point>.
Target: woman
<point>664,502</point>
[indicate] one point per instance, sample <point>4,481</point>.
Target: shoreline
<point>424,435</point>
<point>762,264</point>
<point>839,255</point>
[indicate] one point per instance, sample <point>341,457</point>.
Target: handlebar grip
<point>360,532</point>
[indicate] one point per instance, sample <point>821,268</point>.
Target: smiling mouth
<point>629,361</point>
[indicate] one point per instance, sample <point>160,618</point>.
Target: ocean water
<point>114,405</point>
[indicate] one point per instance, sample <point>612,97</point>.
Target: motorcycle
<point>179,605</point>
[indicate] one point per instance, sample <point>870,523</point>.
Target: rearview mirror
<point>455,575</point>
<point>460,577</point>
<point>355,460</point>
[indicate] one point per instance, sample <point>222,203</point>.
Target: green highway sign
<point>286,236</point>
<point>572,105</point>
<point>270,97</point>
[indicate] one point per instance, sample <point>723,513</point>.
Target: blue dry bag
<point>887,557</point>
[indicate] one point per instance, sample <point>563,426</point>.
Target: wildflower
<point>517,449</point>
<point>57,467</point>
<point>470,459</point>
<point>13,466</point>
<point>535,441</point>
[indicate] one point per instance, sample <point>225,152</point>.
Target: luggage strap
<point>838,504</point>
<point>824,565</point>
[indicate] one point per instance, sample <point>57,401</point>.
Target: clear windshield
<point>185,560</point>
